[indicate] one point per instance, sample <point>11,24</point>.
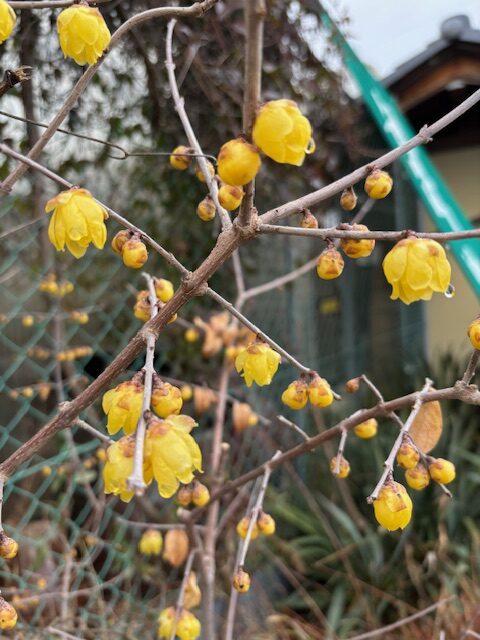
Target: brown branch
<point>391,236</point>
<point>460,391</point>
<point>254,20</point>
<point>195,10</point>
<point>312,199</point>
<point>12,78</point>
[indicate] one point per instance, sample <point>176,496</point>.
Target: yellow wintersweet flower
<point>173,453</point>
<point>166,620</point>
<point>83,33</point>
<point>188,626</point>
<point>8,615</point>
<point>258,362</point>
<point>123,406</point>
<point>119,466</point>
<point>151,543</point>
<point>166,399</point>
<point>415,268</point>
<point>393,507</point>
<point>77,221</point>
<point>295,395</point>
<point>282,132</point>
<point>7,20</point>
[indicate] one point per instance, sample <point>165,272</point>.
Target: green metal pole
<point>439,202</point>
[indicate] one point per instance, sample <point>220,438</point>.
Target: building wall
<point>447,319</point>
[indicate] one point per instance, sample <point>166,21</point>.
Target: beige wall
<point>448,319</point>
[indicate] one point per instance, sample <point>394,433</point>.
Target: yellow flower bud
<point>41,584</point>
<point>309,221</point>
<point>27,392</point>
<point>176,547</point>
<point>119,239</point>
<point>366,429</point>
<point>77,218</point>
<point>206,209</point>
<point>319,392</point>
<point>330,264</point>
<point>407,455</point>
<point>200,494</point>
<point>187,392</point>
<point>378,184</point>
<point>252,420</point>
<point>348,199</point>
<point>191,335</point>
<point>8,547</point>
<point>46,471</point>
<point>258,362</point>
<point>242,528</point>
<point>7,20</point>
<point>134,253</point>
<point>166,399</point>
<point>474,333</point>
<point>282,132</point>
<point>193,594</point>
<point>417,478</point>
<point>344,467</point>
<point>442,471</point>
<point>83,33</point>
<point>230,196</point>
<point>199,172</point>
<point>184,496</point>
<point>295,395</point>
<point>164,289</point>
<point>393,507</point>
<point>416,268</point>
<point>101,454</point>
<point>238,162</point>
<point>241,581</point>
<point>242,415</point>
<point>151,543</point>
<point>8,615</point>
<point>357,248</point>
<point>28,321</point>
<point>188,626</point>
<point>203,399</point>
<point>166,621</point>
<point>181,158</point>
<point>353,385</point>
<point>266,524</point>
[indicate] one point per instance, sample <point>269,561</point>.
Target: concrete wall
<point>448,319</point>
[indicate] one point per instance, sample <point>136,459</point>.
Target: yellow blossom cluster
<point>318,392</point>
<point>49,284</point>
<point>164,291</point>
<point>171,457</point>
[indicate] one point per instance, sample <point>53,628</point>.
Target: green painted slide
<point>439,202</point>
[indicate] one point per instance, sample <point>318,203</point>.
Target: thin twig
<point>294,426</point>
<point>254,11</point>
<point>471,367</point>
<point>312,199</point>
<point>340,450</point>
<point>94,432</point>
<point>136,481</point>
<point>242,555</point>
<point>389,462</point>
<point>390,236</point>
<point>181,593</point>
<point>192,138</point>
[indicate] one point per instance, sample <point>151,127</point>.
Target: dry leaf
<point>176,547</point>
<point>427,426</point>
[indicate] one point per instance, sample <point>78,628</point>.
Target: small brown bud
<point>308,220</point>
<point>348,199</point>
<point>352,385</point>
<point>241,581</point>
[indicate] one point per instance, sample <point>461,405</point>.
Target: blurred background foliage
<point>328,572</point>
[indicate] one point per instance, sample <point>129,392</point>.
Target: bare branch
<point>293,426</point>
<point>192,138</point>
<point>94,432</point>
<point>391,236</point>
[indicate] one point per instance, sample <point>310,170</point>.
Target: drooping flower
<point>8,546</point>
<point>357,248</point>
<point>319,392</point>
<point>83,34</point>
<point>378,184</point>
<point>474,333</point>
<point>200,494</point>
<point>166,399</point>
<point>119,466</point>
<point>343,467</point>
<point>417,478</point>
<point>330,264</point>
<point>243,526</point>
<point>176,547</point>
<point>164,289</point>
<point>408,455</point>
<point>123,406</point>
<point>241,581</point>
<point>366,429</point>
<point>7,20</point>
<point>151,543</point>
<point>282,132</point>
<point>166,621</point>
<point>173,453</point>
<point>442,470</point>
<point>188,626</point>
<point>230,196</point>
<point>258,362</point>
<point>193,594</point>
<point>266,524</point>
<point>393,507</point>
<point>295,395</point>
<point>416,267</point>
<point>8,615</point>
<point>77,220</point>
<point>238,162</point>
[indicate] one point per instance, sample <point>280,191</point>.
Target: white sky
<point>386,33</point>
